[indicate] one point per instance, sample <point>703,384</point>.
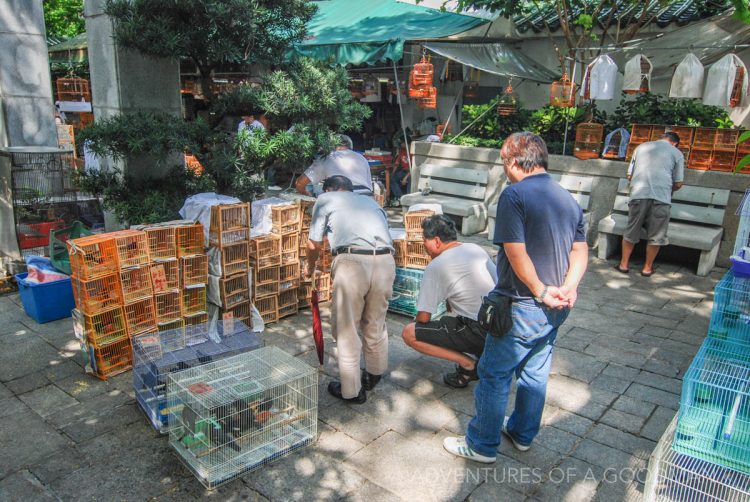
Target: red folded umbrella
<point>317,325</point>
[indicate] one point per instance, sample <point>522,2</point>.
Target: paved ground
<point>615,386</point>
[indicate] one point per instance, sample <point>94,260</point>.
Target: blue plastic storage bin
<point>46,302</point>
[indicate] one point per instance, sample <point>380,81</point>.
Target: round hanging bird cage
<point>428,101</point>
<point>645,72</point>
<point>471,89</point>
<point>612,149</point>
<point>422,73</point>
<point>735,98</point>
<point>562,93</point>
<point>508,103</point>
<point>588,140</point>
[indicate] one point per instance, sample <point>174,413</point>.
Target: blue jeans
<point>397,190</point>
<point>526,352</point>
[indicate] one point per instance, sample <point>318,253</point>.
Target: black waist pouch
<point>494,314</point>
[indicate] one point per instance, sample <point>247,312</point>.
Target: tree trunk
<point>206,81</point>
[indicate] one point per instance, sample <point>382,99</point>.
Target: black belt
<point>351,250</point>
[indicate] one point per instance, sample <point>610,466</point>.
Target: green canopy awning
<point>367,31</point>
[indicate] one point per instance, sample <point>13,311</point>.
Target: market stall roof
<point>498,58</point>
<point>367,31</point>
<point>71,50</point>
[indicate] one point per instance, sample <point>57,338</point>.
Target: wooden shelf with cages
<point>162,243</point>
<point>265,251</point>
<point>265,282</point>
<point>268,308</point>
<point>193,270</point>
<point>704,138</point>
<point>98,294</point>
<point>700,159</point>
<point>726,140</point>
<point>93,256</point>
<point>287,303</point>
<point>234,290</point>
<point>140,316</point>
<point>303,243</point>
<point>723,161</point>
<point>286,219</point>
<point>242,312</point>
<point>193,300</point>
<point>136,283</point>
<point>168,307</point>
<point>230,224</point>
<point>640,133</point>
<point>189,239</point>
<point>235,259</point>
<point>657,131</point>
<point>132,248</point>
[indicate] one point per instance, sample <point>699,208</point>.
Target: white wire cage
<point>157,355</point>
<point>676,477</point>
<point>235,415</point>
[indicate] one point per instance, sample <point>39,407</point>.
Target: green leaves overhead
<point>63,18</point>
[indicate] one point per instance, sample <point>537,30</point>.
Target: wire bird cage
<point>730,315</point>
<point>43,195</point>
<point>714,419</point>
<point>235,415</point>
<point>735,97</point>
<point>157,355</point>
<point>73,89</point>
<point>507,105</point>
<point>406,291</point>
<point>676,477</point>
<point>230,224</point>
<point>562,94</point>
<point>588,140</point>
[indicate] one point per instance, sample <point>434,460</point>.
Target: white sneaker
<point>459,448</point>
<point>519,446</point>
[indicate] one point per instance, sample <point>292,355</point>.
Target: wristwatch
<point>540,298</point>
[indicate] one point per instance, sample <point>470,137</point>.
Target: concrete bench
<point>695,222</point>
<point>578,186</point>
<point>460,191</point>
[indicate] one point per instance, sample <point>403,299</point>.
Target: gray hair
<point>529,150</point>
<point>346,141</point>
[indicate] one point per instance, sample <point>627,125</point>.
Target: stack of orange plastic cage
<point>229,238</point>
<point>416,255</point>
<point>704,148</point>
<point>131,282</point>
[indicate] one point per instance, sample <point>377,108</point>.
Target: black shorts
<point>456,333</point>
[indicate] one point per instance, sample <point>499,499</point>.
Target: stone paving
<point>615,386</point>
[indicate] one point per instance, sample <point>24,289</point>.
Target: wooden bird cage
<point>357,88</point>
<point>508,103</point>
<point>429,101</point>
<point>394,89</point>
<point>562,93</point>
<point>422,73</point>
<point>588,140</point>
<point>735,98</point>
<point>73,89</point>
<point>645,72</point>
<point>471,86</point>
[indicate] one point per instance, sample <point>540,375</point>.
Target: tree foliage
<point>63,18</point>
<point>211,32</point>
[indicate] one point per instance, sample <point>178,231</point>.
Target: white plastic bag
<point>687,81</point>
<point>634,74</point>
<point>720,81</point>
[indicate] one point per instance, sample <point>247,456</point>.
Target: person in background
<point>655,173</point>
<point>363,272</point>
<point>541,259</point>
<point>459,274</point>
<point>249,123</point>
<point>400,177</point>
<point>342,161</point>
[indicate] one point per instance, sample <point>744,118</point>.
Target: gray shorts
<point>651,214</point>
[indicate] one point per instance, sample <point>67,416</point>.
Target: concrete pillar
<point>125,81</point>
<point>27,115</point>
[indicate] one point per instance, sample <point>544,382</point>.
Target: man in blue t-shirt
<point>542,258</point>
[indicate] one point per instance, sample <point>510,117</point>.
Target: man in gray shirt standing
<point>363,271</point>
<point>656,171</point>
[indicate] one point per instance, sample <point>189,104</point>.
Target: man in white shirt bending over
<point>249,123</point>
<point>461,274</point>
<point>343,161</point>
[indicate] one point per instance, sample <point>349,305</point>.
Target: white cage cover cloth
<point>634,74</point>
<point>237,414</point>
<point>261,212</point>
<point>600,77</point>
<point>720,81</point>
<point>687,81</point>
